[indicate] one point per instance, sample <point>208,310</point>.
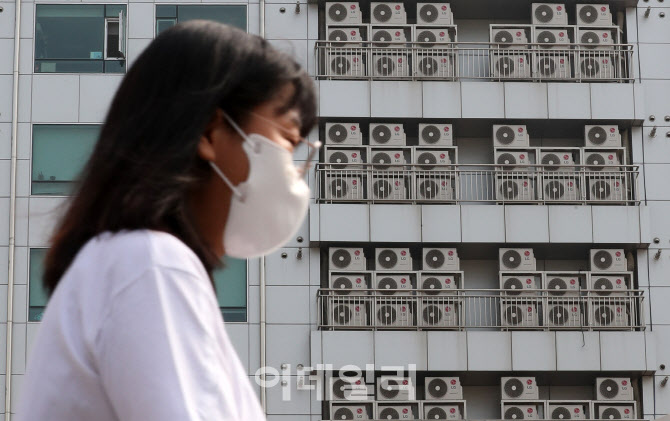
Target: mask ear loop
<point>237,192</point>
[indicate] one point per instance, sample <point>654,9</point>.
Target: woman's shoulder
<point>135,251</point>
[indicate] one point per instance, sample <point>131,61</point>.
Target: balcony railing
<point>472,61</point>
<point>493,309</point>
<point>465,183</point>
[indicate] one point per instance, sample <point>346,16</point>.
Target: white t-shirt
<point>133,332</point>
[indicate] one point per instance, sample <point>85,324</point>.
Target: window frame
<point>246,304</point>
<point>32,125</point>
<point>28,284</point>
<point>177,4</point>
<point>123,34</point>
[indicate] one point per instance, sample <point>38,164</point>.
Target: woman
<point>193,162</point>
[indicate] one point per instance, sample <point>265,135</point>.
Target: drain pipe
<point>12,211</point>
<point>261,14</point>
<point>262,342</point>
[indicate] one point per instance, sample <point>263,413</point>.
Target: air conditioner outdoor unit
<point>509,37</point>
<point>388,160</point>
<point>440,259</point>
<point>343,134</point>
<point>560,189</point>
<point>549,14</point>
<point>438,283</point>
<point>562,285</point>
<point>515,189</point>
<point>394,284</point>
<point>343,13</point>
<point>395,388</point>
<point>610,314</point>
<point>518,388</point>
<point>434,14</point>
<point>600,39</point>
<point>618,412</point>
<point>608,260</point>
<point>443,388</point>
<point>385,37</point>
<point>552,66</point>
<point>435,66</point>
<point>348,312</point>
<point>521,259</point>
<point>557,161</point>
<point>435,188</point>
<point>512,159</point>
<point>566,412</point>
<point>433,37</point>
<point>505,135</point>
<point>403,411</point>
<point>429,159</point>
<point>345,65</point>
<point>564,314</point>
<point>513,66</point>
<point>343,159</point>
<point>349,389</point>
<point>554,39</point>
<point>387,13</point>
<point>393,314</point>
<point>602,161</point>
<point>611,189</point>
<point>390,65</point>
<point>614,389</point>
<point>519,285</point>
<point>608,285</point>
<point>397,259</point>
<point>344,37</point>
<point>346,258</point>
<point>388,188</point>
<point>594,14</point>
<point>439,313</point>
<point>595,67</point>
<point>348,411</point>
<point>349,283</point>
<point>436,134</point>
<point>602,136</point>
<point>441,411</point>
<point>520,313</point>
<point>387,134</point>
<point>344,188</point>
<point>520,412</point>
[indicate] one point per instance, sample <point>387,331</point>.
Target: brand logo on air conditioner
<point>352,7</point>
<point>359,411</point>
<point>526,253</point>
<point>447,309</point>
<point>358,280</point>
<point>525,184</point>
<point>453,382</point>
<point>354,182</point>
<point>355,59</point>
<point>521,60</point>
<point>353,33</point>
<point>618,281</point>
<point>397,7</point>
<point>610,157</point>
<point>358,382</point>
<point>566,157</point>
<point>397,33</point>
<point>572,282</point>
<point>442,156</point>
<point>403,281</point>
<point>405,410</point>
<point>447,281</point>
<point>559,8</point>
<point>403,253</point>
<point>444,7</point>
<point>561,34</point>
<point>404,382</point>
<point>562,61</point>
<point>450,253</point>
<point>626,411</point>
<point>443,60</point>
<point>605,61</point>
<point>522,156</point>
<point>574,309</point>
<point>618,254</point>
<point>577,411</point>
<point>520,129</point>
<point>452,410</point>
<point>530,410</point>
<point>618,309</point>
<point>358,308</point>
<point>605,35</point>
<point>518,34</point>
<point>529,281</point>
<point>530,310</point>
<point>442,34</point>
<point>354,155</point>
<point>357,252</point>
<point>444,183</point>
<point>397,183</point>
<point>624,383</point>
<point>603,9</point>
<point>529,381</point>
<point>397,156</point>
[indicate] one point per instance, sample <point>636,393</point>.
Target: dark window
<point>169,15</point>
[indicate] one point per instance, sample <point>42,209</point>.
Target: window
<point>37,295</point>
<point>168,15</point>
<point>231,290</point>
<point>84,38</point>
<point>59,154</point>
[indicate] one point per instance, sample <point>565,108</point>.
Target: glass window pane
<point>115,66</point>
<point>163,24</point>
<point>59,154</point>
<point>166,11</point>
<point>234,15</point>
<point>69,31</point>
<point>113,10</point>
<point>231,288</point>
<point>113,38</point>
<point>69,66</point>
<point>37,296</point>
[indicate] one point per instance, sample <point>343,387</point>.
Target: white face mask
<point>268,208</point>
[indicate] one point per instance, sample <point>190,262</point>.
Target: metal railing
<point>474,60</point>
<point>493,309</point>
<point>463,183</point>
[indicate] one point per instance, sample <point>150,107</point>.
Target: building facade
<point>473,147</point>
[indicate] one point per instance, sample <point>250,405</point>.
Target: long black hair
<point>145,161</point>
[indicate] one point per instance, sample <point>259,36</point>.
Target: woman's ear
<point>206,146</point>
